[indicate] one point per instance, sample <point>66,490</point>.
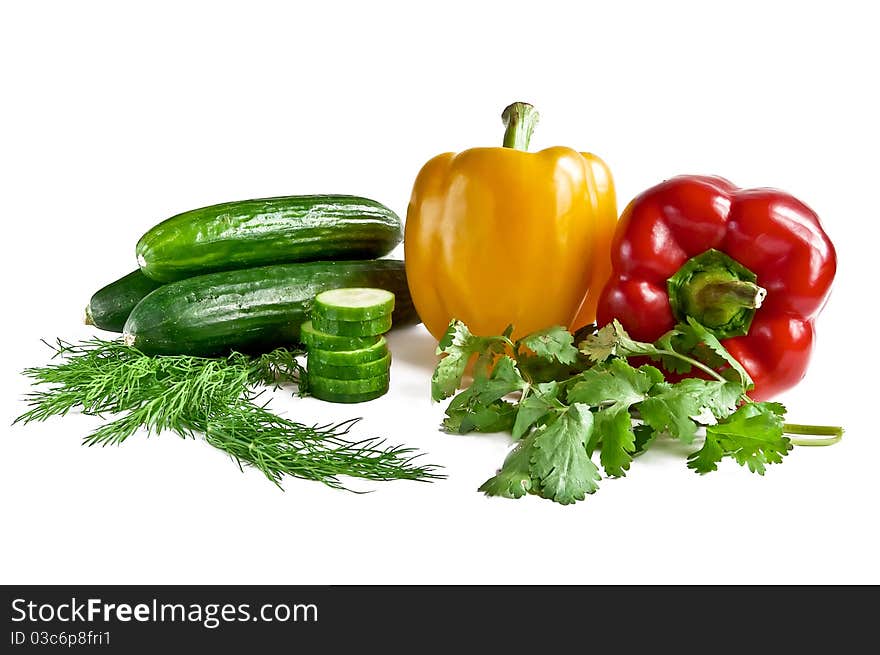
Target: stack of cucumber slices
<point>348,358</point>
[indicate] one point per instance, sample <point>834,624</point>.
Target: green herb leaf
<point>677,341</point>
<point>703,336</point>
<point>645,435</point>
<point>553,343</point>
<point>753,436</point>
<point>560,463</point>
<point>503,379</point>
<point>614,386</point>
<point>539,369</point>
<point>466,413</point>
<point>535,406</point>
<point>217,397</point>
<point>600,346</point>
<point>617,439</point>
<point>670,409</point>
<point>573,404</point>
<point>719,398</point>
<point>614,382</point>
<point>514,480</point>
<point>458,345</point>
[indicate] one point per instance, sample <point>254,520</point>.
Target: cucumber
<point>249,233</point>
<point>312,338</point>
<point>348,391</point>
<point>350,357</point>
<point>368,328</point>
<point>353,304</point>
<point>254,309</point>
<point>350,372</point>
<point>110,306</point>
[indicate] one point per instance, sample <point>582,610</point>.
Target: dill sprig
<point>216,397</point>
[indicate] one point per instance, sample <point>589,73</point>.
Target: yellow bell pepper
<point>500,236</point>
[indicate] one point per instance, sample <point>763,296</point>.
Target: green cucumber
<point>352,371</point>
<point>350,357</point>
<point>368,328</point>
<point>254,309</point>
<point>248,233</point>
<point>312,338</point>
<point>353,304</point>
<point>110,306</point>
<point>348,391</point>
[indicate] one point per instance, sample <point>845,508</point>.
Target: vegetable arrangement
<point>195,351</point>
<point>719,285</point>
<point>681,321</point>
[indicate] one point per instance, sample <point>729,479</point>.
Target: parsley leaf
<point>458,345</point>
<point>719,398</point>
<point>614,382</point>
<point>467,414</point>
<point>554,343</point>
<point>574,402</point>
<point>645,436</point>
<point>711,341</point>
<point>503,379</point>
<point>752,435</point>
<point>514,480</point>
<point>560,464</point>
<point>670,410</point>
<point>539,369</point>
<point>675,350</point>
<point>616,436</point>
<point>601,345</point>
<point>614,386</point>
<point>535,406</point>
<point>677,341</point>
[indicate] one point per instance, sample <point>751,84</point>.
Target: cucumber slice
<point>352,372</point>
<point>313,338</point>
<point>350,357</point>
<point>348,391</point>
<point>368,328</point>
<point>354,304</point>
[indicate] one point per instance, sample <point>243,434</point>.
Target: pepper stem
<point>739,292</point>
<point>717,291</point>
<point>519,119</point>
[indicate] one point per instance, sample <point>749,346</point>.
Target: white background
<point>114,118</point>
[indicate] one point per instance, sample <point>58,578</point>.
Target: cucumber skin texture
<point>266,231</point>
<point>350,357</point>
<point>349,391</point>
<point>351,372</point>
<point>110,305</point>
<point>252,310</point>
<point>319,340</point>
<point>368,328</point>
<point>349,398</point>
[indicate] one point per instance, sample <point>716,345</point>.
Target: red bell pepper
<point>752,265</point>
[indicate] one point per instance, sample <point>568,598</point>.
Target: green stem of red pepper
<point>718,292</point>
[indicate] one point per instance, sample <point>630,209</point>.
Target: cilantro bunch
<point>567,405</point>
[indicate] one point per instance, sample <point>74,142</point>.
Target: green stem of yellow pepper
<point>519,119</point>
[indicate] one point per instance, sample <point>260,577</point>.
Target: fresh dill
<point>219,398</point>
